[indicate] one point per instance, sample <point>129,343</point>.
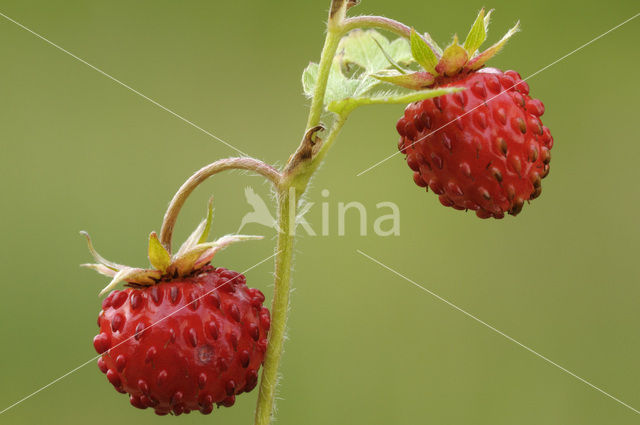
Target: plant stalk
<point>280,306</point>
<point>293,185</point>
<point>334,34</point>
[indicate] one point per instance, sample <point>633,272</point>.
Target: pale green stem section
<point>324,67</point>
<point>279,308</point>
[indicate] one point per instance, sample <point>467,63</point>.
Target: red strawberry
<point>184,336</point>
<point>482,148</point>
<point>184,344</point>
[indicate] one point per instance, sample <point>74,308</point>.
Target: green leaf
<point>363,48</point>
<point>477,34</point>
<point>393,63</point>
<point>422,53</point>
<point>309,78</point>
<point>483,57</point>
<point>361,54</point>
<point>158,256</point>
<point>347,105</point>
<point>400,50</point>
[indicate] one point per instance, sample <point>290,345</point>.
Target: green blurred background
<point>81,152</point>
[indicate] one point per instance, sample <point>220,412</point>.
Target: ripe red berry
<point>184,335</point>
<point>481,146</point>
<point>484,148</point>
<point>184,344</point>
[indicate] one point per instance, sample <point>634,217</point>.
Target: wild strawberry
<point>185,335</point>
<point>483,148</point>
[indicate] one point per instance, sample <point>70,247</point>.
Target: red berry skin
<point>484,148</point>
<point>184,344</point>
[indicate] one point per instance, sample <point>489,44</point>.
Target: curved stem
<point>201,175</point>
<point>280,305</point>
<point>379,22</point>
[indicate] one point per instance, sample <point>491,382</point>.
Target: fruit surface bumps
<point>185,344</point>
<point>483,148</point>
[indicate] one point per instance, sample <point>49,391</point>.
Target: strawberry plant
<point>185,336</point>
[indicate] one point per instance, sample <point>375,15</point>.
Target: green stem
<point>334,34</point>
<point>279,307</point>
<point>293,185</point>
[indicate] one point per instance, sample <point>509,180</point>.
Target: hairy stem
<point>293,184</point>
<point>201,175</point>
<point>379,22</point>
<point>280,306</point>
<point>324,67</point>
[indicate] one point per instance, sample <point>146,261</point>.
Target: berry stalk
<point>250,164</point>
<point>379,22</point>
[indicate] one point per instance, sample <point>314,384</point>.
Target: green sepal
<point>422,53</point>
<point>345,106</point>
<point>159,257</point>
<point>100,268</point>
<point>483,57</point>
<point>435,47</point>
<point>99,258</point>
<point>206,257</point>
<point>415,81</point>
<point>477,34</point>
<point>193,258</point>
<point>193,254</point>
<point>208,220</point>
<point>487,21</point>
<point>200,234</point>
<point>453,58</point>
<point>133,275</point>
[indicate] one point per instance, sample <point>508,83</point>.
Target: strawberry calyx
<point>194,254</point>
<point>441,64</point>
